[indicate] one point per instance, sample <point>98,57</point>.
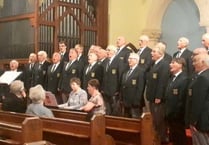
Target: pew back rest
<point>136,128</point>
<point>93,130</point>
<point>28,129</point>
<point>112,122</point>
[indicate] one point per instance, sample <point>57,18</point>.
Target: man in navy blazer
<point>132,88</point>
<point>53,75</point>
<point>40,70</point>
<point>183,52</point>
<point>123,52</point>
<point>197,109</point>
<point>175,98</point>
<point>70,69</point>
<point>145,58</point>
<point>111,82</point>
<point>92,71</point>
<point>63,51</point>
<point>157,80</point>
<point>28,70</point>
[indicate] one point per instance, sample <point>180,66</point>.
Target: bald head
<point>198,51</point>
<point>201,62</point>
<point>121,41</point>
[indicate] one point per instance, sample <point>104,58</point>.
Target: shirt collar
<point>176,74</point>
<point>157,61</point>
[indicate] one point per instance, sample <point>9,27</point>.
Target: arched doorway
<point>158,12</point>
<point>181,19</point>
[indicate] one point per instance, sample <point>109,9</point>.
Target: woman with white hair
<point>15,100</point>
<point>37,95</point>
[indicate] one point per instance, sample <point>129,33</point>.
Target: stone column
<point>203,6</point>
<point>154,20</point>
<point>154,36</point>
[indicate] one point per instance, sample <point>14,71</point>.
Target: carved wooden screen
<point>33,25</point>
<point>73,21</point>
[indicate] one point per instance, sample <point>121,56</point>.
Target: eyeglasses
<point>132,58</point>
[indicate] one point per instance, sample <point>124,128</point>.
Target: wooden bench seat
<point>123,130</point>
<point>69,132</point>
<point>28,129</point>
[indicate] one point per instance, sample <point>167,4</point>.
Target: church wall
<point>127,18</point>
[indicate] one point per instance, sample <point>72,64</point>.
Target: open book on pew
<point>9,76</point>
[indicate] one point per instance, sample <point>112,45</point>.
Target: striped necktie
<point>53,68</point>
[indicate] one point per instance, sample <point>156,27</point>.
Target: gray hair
<point>184,40</point>
<point>160,47</point>
<point>43,53</point>
<point>37,94</point>
<point>144,38</point>
<point>16,86</point>
<point>112,48</point>
<point>134,55</point>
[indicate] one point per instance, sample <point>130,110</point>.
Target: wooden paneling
<point>75,21</point>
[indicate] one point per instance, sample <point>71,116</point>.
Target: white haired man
<point>183,52</point>
<point>40,69</point>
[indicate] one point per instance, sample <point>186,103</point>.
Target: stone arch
<point>156,13</point>
<point>154,19</point>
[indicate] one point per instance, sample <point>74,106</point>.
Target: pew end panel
<point>32,130</point>
<point>29,130</point>
<point>98,129</point>
<point>147,134</point>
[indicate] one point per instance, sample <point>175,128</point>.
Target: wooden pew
<point>70,132</point>
<point>26,130</point>
<point>43,142</point>
<point>123,130</point>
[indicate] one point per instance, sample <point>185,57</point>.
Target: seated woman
<point>15,100</point>
<point>77,98</point>
<point>37,96</point>
<point>95,105</point>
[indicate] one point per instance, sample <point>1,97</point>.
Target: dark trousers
<point>132,112</point>
<point>113,105</point>
<point>159,123</point>
<point>177,132</point>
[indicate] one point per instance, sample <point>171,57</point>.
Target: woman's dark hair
<point>94,83</point>
<point>76,80</point>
